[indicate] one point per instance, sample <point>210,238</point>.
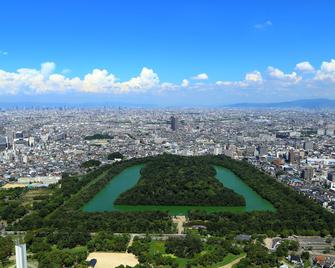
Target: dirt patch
<point>111,260</point>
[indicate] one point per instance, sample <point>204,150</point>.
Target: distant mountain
<point>41,105</point>
<point>302,104</point>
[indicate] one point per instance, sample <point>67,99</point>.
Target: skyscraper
<point>21,256</point>
<point>3,142</point>
<point>174,123</point>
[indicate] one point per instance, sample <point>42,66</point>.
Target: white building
<point>21,256</point>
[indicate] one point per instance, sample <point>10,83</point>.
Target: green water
<point>104,200</point>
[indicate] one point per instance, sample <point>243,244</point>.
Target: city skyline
<point>168,54</point>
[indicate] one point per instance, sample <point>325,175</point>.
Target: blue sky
<point>167,52</point>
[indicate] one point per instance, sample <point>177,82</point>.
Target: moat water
<point>104,200</point>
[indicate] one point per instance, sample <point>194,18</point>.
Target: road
<point>230,265</point>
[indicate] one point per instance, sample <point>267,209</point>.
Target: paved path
<point>132,236</point>
<point>231,264</point>
<point>179,220</point>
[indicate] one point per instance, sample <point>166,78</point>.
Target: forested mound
<point>177,180</point>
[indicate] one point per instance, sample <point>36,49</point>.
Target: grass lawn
<point>157,247</point>
<point>182,262</point>
<point>228,259</point>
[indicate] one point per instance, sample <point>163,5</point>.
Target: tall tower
<point>21,255</point>
<point>174,123</point>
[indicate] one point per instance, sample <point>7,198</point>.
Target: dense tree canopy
<point>99,137</point>
<point>105,241</point>
<point>91,163</point>
<point>115,155</point>
<point>184,247</point>
<point>6,248</point>
<point>195,251</point>
<point>11,207</point>
<point>177,180</point>
<point>62,258</point>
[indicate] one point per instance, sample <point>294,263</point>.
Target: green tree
<point>6,248</point>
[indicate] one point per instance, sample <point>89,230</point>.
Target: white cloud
<point>280,75</point>
<point>304,67</point>
<point>327,71</point>
<point>146,80</point>
<point>185,83</point>
<point>328,67</point>
<point>275,73</point>
<point>254,76</point>
<point>233,84</point>
<point>263,25</point>
<point>250,79</point>
<point>30,81</point>
<point>3,53</point>
<point>202,76</point>
<point>272,81</point>
<point>66,71</point>
<point>98,81</point>
<point>47,68</point>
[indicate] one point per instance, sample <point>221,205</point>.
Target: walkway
<point>179,220</point>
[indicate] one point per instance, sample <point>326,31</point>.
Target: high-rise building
<point>308,173</point>
<point>3,142</point>
<point>174,123</point>
<point>21,256</point>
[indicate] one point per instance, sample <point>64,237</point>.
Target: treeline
<point>106,241</point>
<point>6,249</point>
<point>91,163</point>
<point>177,180</point>
<point>99,137</point>
<point>295,213</point>
<point>115,155</point>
